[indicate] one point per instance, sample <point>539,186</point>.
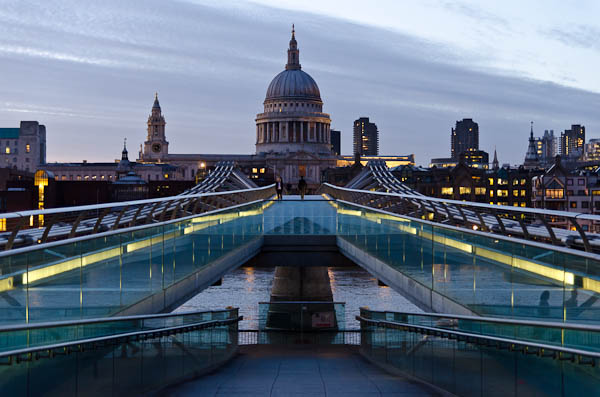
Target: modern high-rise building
<point>546,147</point>
<point>336,142</point>
<point>592,150</point>
<point>366,137</point>
<point>572,142</point>
<point>463,138</point>
<point>23,148</point>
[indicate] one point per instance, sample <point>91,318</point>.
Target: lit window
<point>516,193</point>
<point>7,150</point>
<point>464,190</point>
<point>491,181</point>
<point>523,192</point>
<point>501,193</point>
<point>480,190</point>
<point>447,190</point>
<point>166,176</point>
<point>254,170</point>
<point>523,204</point>
<point>262,170</point>
<point>2,225</point>
<point>554,193</point>
<point>27,148</point>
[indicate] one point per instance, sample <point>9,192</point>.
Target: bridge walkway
<point>266,370</point>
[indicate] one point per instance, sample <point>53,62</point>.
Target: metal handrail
<point>120,231</point>
<point>531,243</point>
<point>118,204</point>
<point>529,223</point>
<point>175,329</point>
<point>487,338</point>
<point>98,320</point>
<point>510,321</point>
<point>507,208</point>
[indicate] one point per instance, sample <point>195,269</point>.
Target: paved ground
<point>306,371</point>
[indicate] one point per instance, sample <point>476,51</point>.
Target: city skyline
<point>100,80</point>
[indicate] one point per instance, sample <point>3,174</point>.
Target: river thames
<point>246,286</point>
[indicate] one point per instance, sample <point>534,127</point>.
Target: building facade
<point>572,142</point>
<point>336,142</point>
<point>23,148</point>
<point>464,137</point>
<point>365,137</point>
<point>563,190</point>
<point>503,186</point>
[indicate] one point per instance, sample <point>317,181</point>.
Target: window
<point>581,193</point>
<point>166,176</point>
<point>27,148</point>
<point>491,181</point>
<point>523,193</point>
<point>515,193</point>
<point>569,182</point>
<point>7,150</point>
<point>502,181</point>
<point>585,204</point>
<point>480,190</point>
<point>554,193</point>
<point>573,204</point>
<point>491,193</point>
<point>447,191</point>
<point>515,182</point>
<point>523,204</point>
<point>570,193</point>
<point>580,182</point>
<point>523,181</point>
<point>3,225</point>
<point>501,193</point>
<point>254,170</point>
<point>27,160</point>
<point>262,170</point>
<point>464,190</point>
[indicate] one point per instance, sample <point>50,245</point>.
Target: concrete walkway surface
<point>300,371</point>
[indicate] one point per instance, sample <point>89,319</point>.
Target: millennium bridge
<point>509,295</point>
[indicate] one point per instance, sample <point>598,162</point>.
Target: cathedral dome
<point>293,84</point>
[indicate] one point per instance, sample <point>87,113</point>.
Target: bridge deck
<point>300,371</point>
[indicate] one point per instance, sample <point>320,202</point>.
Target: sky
<point>88,70</point>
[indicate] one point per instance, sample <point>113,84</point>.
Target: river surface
<point>246,286</point>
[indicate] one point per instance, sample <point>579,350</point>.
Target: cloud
<point>89,72</point>
<point>583,36</point>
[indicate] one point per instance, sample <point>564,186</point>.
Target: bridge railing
<point>445,352</point>
<point>26,228</point>
<point>106,273</point>
<point>144,354</point>
<point>560,228</point>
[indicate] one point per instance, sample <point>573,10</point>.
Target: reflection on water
<point>246,286</point>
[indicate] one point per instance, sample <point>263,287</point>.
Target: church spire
<point>124,152</point>
<point>293,62</point>
<point>495,163</point>
<point>156,104</point>
<point>531,157</point>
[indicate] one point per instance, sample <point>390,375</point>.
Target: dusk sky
<point>89,70</point>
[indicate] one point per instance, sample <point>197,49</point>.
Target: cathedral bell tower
<point>156,147</point>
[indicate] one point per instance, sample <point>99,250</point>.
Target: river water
<point>246,286</point>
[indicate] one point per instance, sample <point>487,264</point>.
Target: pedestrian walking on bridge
<point>302,187</point>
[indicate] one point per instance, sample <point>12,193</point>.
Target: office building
<point>366,137</point>
<point>464,137</point>
<point>23,148</point>
<point>572,142</point>
<point>336,142</point>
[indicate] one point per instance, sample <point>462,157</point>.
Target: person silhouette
<point>279,188</point>
<point>302,187</point>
